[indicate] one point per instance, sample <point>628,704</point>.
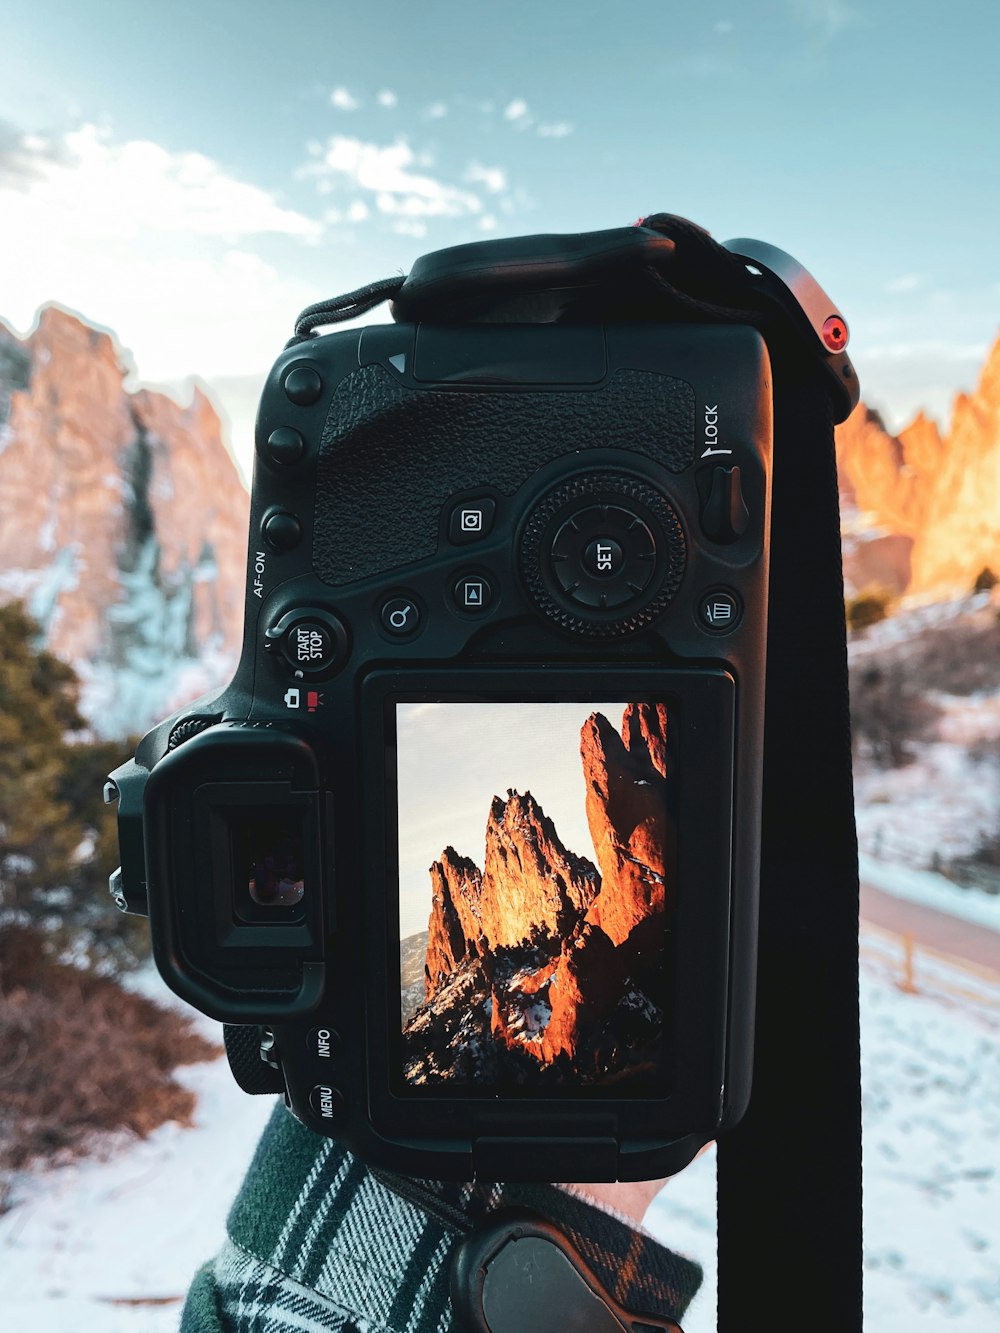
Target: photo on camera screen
<point>537,894</point>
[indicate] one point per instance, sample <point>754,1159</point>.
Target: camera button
<point>603,558</point>
<point>302,385</point>
<point>471,520</point>
<point>472,594</point>
<point>310,646</point>
<point>311,641</point>
<point>323,1043</point>
<point>720,611</point>
<point>400,616</point>
<point>282,531</point>
<point>285,446</point>
<point>326,1103</point>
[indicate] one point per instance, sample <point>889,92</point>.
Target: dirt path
<point>936,930</point>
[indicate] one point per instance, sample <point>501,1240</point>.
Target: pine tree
<point>58,841</point>
<point>38,705</point>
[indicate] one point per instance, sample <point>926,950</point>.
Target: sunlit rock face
<point>123,523</point>
<point>921,511</point>
<point>627,814</point>
<point>545,967</point>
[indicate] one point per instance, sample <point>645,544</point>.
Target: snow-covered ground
<point>931,1113</point>
<point>135,1226</point>
<point>945,803</point>
<point>86,1239</point>
<point>941,806</point>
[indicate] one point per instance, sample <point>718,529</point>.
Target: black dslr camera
<point>467,852</point>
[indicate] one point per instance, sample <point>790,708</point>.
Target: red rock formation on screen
<point>627,814</point>
<point>531,884</point>
<point>545,965</point>
<point>454,930</point>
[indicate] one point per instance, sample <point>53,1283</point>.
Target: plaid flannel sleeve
<point>318,1242</point>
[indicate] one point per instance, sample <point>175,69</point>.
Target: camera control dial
<point>602,554</point>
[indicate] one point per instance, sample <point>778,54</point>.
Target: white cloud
<point>357,210</point>
<point>387,97</point>
<point>124,190</point>
<point>494,178</point>
<point>516,110</point>
<point>723,27</point>
<point>487,222</point>
<point>907,282</point>
<point>436,111</point>
<point>155,245</point>
<point>343,101</point>
<point>556,130</point>
<point>385,172</point>
<point>409,227</point>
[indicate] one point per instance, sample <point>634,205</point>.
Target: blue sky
<point>191,175</point>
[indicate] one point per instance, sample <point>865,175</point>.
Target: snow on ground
<point>931,1114</point>
<point>941,806</point>
<point>135,1226</point>
<point>944,805</point>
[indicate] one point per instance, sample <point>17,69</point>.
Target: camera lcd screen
<point>537,895</point>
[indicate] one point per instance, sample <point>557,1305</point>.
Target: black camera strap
<point>789,1177</point>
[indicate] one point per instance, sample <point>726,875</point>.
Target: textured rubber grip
<point>249,1070</point>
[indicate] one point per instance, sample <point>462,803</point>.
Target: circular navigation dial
<point>603,554</point>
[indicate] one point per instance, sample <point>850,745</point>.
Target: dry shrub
<point>889,714</point>
<point>82,1056</point>
<point>868,608</point>
<point>960,658</point>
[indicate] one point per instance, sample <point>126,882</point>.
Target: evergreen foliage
<point>58,841</point>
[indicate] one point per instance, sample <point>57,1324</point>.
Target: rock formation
<point>921,512</point>
<point>455,928</point>
<point>627,815</point>
<point>542,967</point>
<point>531,884</point>
<point>123,522</point>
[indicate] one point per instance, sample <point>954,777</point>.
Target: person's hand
<point>631,1197</point>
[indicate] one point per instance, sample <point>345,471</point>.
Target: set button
<point>603,556</point>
